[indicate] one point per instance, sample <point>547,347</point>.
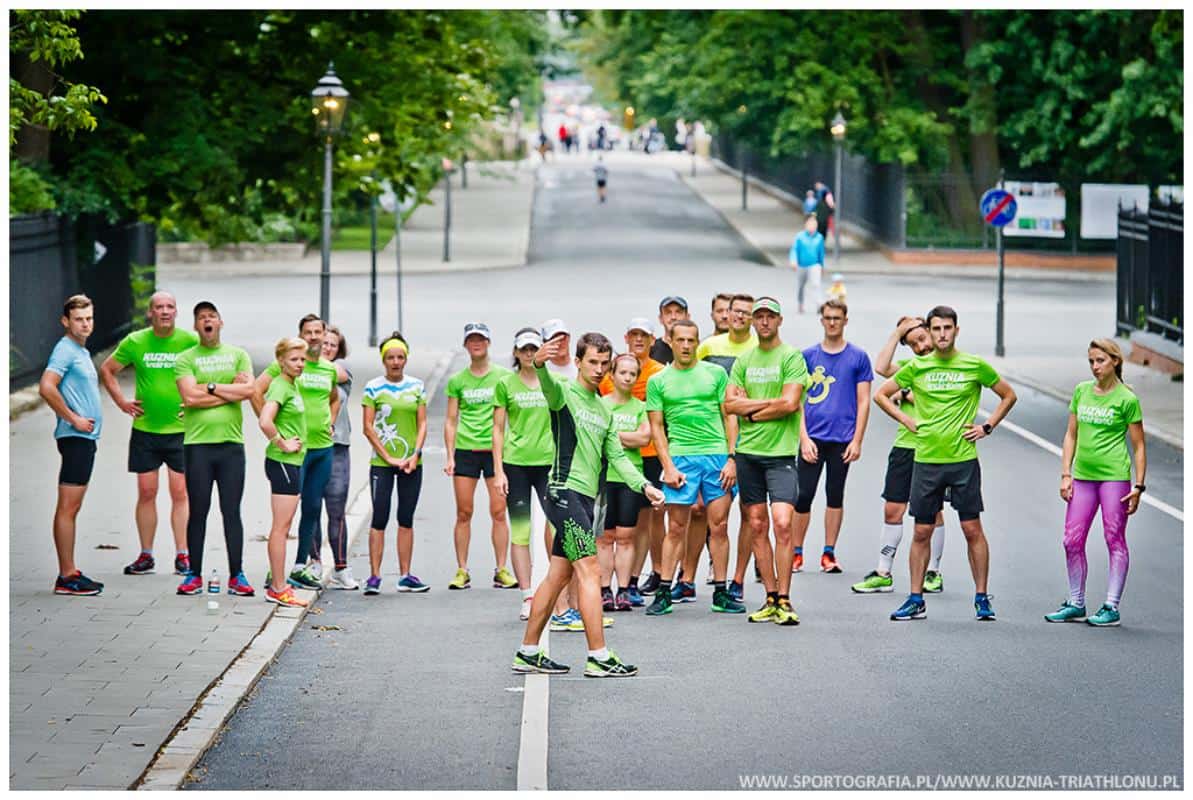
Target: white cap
<point>479,328</point>
<point>527,338</point>
<point>554,327</point>
<point>640,324</point>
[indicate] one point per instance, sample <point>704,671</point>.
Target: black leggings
<point>223,465</point>
<point>381,483</point>
<point>832,455</point>
<point>522,480</point>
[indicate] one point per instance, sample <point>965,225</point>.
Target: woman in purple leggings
<point>1096,473</point>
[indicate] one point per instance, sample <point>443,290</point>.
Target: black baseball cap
<point>205,305</point>
<point>673,298</point>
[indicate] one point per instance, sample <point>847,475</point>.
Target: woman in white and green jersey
<point>283,421</point>
<point>395,423</point>
<point>522,455</point>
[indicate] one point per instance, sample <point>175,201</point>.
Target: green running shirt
<point>220,364</point>
<point>315,383</point>
<point>763,374</point>
<point>947,392</point>
<point>291,420</point>
<point>690,400</point>
<point>475,428</point>
<point>153,359</point>
<point>395,415</point>
<point>626,418</point>
<point>1102,422</point>
<point>903,437</point>
<point>528,440</point>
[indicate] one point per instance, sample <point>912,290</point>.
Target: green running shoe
<point>576,623</point>
<point>538,663</point>
<point>875,583</point>
<point>764,614</point>
<point>723,602</point>
<point>1067,613</point>
<point>612,667</point>
<point>462,580</point>
<point>785,614</point>
<point>303,578</point>
<point>1106,617</point>
<point>661,604</point>
<point>503,579</point>
<point>933,582</point>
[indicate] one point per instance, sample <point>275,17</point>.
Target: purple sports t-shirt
<point>830,403</point>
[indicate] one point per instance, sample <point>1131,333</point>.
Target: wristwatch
<point>987,428</point>
<point>211,388</point>
<point>750,416</point>
<point>418,453</point>
<point>1141,488</point>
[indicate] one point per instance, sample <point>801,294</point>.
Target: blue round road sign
<point>998,207</point>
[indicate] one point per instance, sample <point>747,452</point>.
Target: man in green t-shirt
<point>584,438</point>
<point>317,385</point>
<point>156,437</point>
<point>213,379</point>
<point>695,438</point>
<point>947,385</point>
<point>765,387</point>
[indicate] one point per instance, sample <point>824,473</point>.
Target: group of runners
<point>631,454</point>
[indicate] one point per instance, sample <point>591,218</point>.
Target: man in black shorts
<point>156,437</point>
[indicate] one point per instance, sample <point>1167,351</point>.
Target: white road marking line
<point>536,700</point>
<point>1040,441</point>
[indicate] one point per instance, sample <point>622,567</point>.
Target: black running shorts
<point>930,482</point>
<point>148,451</point>
<point>899,464</point>
<point>474,463</point>
<point>571,515</point>
<point>283,478</point>
<point>622,505</point>
<point>78,460</point>
<point>761,476</point>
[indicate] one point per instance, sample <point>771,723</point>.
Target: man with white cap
<point>563,363</point>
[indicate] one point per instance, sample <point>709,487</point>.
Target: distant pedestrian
<point>825,206</point>
<point>1096,473</point>
<point>681,133</point>
<point>810,202</point>
<point>564,139</point>
<point>70,387</point>
<point>807,258</point>
<point>156,436</point>
<point>602,177</point>
<point>602,137</point>
<point>335,496</point>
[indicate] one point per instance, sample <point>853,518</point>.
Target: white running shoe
<point>525,613</point>
<point>342,579</point>
<point>316,568</point>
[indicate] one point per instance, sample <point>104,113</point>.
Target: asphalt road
<point>414,692</point>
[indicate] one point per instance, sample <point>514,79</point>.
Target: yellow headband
<point>389,344</point>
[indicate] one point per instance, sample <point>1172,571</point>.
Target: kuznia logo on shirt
<point>590,419</point>
<point>528,399</point>
<point>308,381</point>
<point>767,375</point>
<point>1096,415</point>
<point>825,382</point>
<point>159,360</point>
<point>943,380</point>
<point>482,395</point>
<point>218,361</point>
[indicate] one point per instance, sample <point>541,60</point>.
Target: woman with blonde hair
<point>1096,473</point>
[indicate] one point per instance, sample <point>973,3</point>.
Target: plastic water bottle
<point>213,583</point>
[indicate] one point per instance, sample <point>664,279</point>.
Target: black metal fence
<point>871,194</point>
<point>1151,265</point>
<point>53,257</point>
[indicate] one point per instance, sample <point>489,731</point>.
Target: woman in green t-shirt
<point>283,421</point>
<point>1096,473</point>
<point>615,550</point>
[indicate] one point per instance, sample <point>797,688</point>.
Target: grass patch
<point>356,237</point>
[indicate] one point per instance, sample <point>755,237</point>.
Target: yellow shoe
<point>764,614</point>
<point>461,581</point>
<point>502,579</point>
<point>785,614</point>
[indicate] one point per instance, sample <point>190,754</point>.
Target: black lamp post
<point>329,101</point>
<point>837,129</point>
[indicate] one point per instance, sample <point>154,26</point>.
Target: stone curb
<point>202,726</point>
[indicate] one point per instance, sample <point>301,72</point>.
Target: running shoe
<point>142,566</point>
<point>661,605</point>
<point>504,579</point>
<point>723,603</point>
<point>1107,617</point>
<point>785,614</point>
<point>983,610</point>
<point>683,592</point>
<point>736,590</point>
<point>462,580</point>
<point>192,584</point>
<point>411,583</point>
<point>828,563</point>
<point>909,610</point>
<point>524,614</point>
<point>607,601</point>
<point>933,582</point>
<point>182,564</point>
<point>874,583</point>
<point>373,585</point>
<point>622,601</point>
<point>343,579</point>
<point>797,563</point>
<point>79,585</point>
<point>315,567</point>
<point>611,667</point>
<point>636,598</point>
<point>1067,613</point>
<point>301,578</point>
<point>764,614</point>
<point>651,584</point>
<point>285,597</point>
<point>539,662</point>
<point>576,622</point>
<point>560,622</point>
<point>240,586</point>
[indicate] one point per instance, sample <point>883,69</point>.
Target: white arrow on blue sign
<point>998,207</point>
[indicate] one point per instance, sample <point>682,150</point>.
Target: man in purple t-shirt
<point>836,410</point>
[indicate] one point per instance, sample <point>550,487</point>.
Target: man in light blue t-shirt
<point>807,258</point>
<point>70,386</point>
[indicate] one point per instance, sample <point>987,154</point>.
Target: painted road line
<point>1040,441</point>
<point>536,699</point>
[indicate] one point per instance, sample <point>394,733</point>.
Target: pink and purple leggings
<point>1087,497</point>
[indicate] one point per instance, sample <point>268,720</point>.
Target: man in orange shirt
<point>639,339</point>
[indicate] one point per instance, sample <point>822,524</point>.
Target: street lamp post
<point>373,138</point>
<point>838,131</point>
<point>742,155</point>
<point>447,210</point>
<point>329,101</point>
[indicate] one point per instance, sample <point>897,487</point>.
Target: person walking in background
<point>807,258</point>
<point>335,495</point>
<point>810,202</point>
<point>602,177</point>
<point>70,387</point>
<point>156,436</point>
<point>825,206</point>
<point>1096,473</point>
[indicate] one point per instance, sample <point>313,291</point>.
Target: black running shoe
<point>538,663</point>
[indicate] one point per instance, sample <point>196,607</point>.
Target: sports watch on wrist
<point>987,428</point>
<point>211,388</point>
<point>1141,488</point>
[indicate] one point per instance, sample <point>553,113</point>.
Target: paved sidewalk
<point>770,224</point>
<point>97,684</point>
<point>480,239</point>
